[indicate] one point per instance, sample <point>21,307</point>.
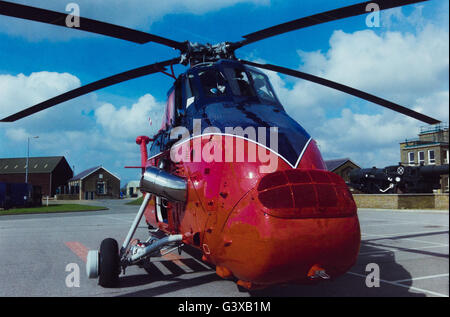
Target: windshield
<point>240,82</point>
<point>213,82</point>
<point>257,85</point>
<point>262,87</point>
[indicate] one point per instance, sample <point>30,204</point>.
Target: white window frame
<point>409,158</point>
<point>429,157</point>
<point>418,157</point>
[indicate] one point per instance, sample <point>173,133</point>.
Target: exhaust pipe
<point>163,184</point>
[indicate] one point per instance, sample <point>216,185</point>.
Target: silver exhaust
<point>163,184</point>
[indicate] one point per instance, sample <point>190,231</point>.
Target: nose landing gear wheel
<point>109,263</point>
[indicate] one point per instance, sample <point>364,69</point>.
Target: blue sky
<point>405,60</point>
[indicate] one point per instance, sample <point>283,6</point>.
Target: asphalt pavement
<point>43,255</point>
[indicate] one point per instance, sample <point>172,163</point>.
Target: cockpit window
<point>262,87</point>
<point>239,82</point>
<point>213,82</point>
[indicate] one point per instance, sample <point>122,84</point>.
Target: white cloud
<point>106,136</point>
<point>17,134</point>
<point>128,122</point>
<point>396,64</point>
<point>409,68</point>
<point>21,91</point>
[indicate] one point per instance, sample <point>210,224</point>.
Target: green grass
<point>51,209</point>
<point>137,202</point>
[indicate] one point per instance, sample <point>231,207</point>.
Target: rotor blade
<point>341,13</point>
<point>349,90</point>
<point>51,17</point>
<point>109,81</point>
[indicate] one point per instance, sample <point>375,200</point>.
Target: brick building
<point>430,148</point>
<point>49,173</point>
<point>94,183</point>
<point>342,167</point>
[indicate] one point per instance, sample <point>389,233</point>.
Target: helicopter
<point>250,190</point>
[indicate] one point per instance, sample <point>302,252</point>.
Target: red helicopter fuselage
<point>292,221</point>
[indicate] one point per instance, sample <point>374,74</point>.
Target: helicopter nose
<point>295,226</point>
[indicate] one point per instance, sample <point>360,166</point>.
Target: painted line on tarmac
<point>388,224</point>
<point>400,221</point>
<point>422,278</point>
<point>118,219</point>
<point>176,259</point>
<point>404,286</point>
<point>400,234</point>
<point>164,270</point>
<point>406,211</point>
<point>79,249</point>
<point>393,250</point>
<point>408,239</point>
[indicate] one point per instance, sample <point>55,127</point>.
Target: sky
<point>405,59</point>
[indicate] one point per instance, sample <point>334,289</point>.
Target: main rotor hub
<point>197,53</point>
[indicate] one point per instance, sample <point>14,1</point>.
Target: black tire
<point>109,266</point>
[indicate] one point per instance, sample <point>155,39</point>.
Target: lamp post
<point>28,156</point>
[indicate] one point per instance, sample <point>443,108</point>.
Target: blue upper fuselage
<point>228,95</point>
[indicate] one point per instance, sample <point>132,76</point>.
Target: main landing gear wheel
<point>109,263</point>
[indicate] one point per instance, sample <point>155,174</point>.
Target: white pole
<point>28,155</point>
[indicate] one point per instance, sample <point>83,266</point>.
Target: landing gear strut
<point>107,263</point>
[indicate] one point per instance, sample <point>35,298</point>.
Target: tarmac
<point>403,254</point>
